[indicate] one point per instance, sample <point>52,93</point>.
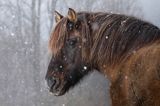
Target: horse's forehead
<point>74,33</point>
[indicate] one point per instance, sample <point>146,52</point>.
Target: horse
<point>123,48</point>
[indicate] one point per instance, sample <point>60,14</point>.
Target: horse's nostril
<point>51,82</point>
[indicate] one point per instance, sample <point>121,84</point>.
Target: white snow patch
<point>106,37</point>
<point>95,26</point>
<point>13,16</point>
<point>26,43</point>
<point>85,67</point>
<point>1,28</point>
<point>126,77</point>
<point>70,77</point>
<point>61,66</point>
<point>12,34</point>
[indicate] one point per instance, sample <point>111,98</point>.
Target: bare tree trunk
<point>19,16</point>
<point>36,9</point>
<point>51,9</point>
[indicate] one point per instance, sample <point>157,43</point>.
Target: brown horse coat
<point>125,49</point>
<point>136,81</point>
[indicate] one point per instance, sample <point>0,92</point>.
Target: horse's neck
<point>102,45</point>
<point>111,46</point>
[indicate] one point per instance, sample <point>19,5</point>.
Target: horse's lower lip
<point>58,92</point>
<point>61,92</point>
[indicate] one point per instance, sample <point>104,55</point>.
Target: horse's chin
<point>59,93</point>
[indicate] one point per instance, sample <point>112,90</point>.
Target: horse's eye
<point>77,25</point>
<point>72,42</point>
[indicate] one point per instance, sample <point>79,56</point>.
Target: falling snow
<point>89,22</point>
<point>70,77</point>
<point>1,28</point>
<point>25,42</point>
<point>106,37</point>
<point>84,40</point>
<point>95,26</point>
<point>134,52</point>
<point>85,67</point>
<point>60,66</point>
<point>80,46</point>
<point>12,34</point>
<point>13,16</point>
<point>25,57</point>
<point>126,77</point>
<point>123,22</point>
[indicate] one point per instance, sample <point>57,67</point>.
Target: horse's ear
<point>58,16</point>
<point>72,15</point>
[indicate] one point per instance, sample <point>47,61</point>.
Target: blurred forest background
<point>25,27</point>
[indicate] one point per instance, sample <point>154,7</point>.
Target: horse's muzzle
<point>51,82</point>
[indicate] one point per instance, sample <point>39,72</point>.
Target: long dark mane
<point>109,37</point>
<point>120,36</point>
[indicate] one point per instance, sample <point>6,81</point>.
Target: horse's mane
<point>117,36</point>
<point>58,36</point>
<point>120,36</point>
